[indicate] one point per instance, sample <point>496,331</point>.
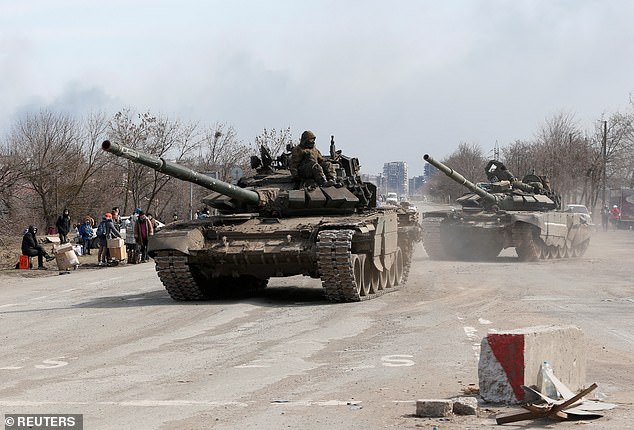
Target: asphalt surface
<point>110,344</point>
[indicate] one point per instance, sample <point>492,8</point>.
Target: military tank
<point>504,213</point>
<point>272,225</point>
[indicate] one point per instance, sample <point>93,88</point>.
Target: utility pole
<point>604,155</point>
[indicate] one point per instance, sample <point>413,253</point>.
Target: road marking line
<point>179,403</point>
<point>471,332</point>
<point>317,402</point>
<point>148,403</point>
<point>8,305</point>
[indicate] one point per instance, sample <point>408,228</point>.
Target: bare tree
<point>273,140</point>
<point>564,155</point>
<point>469,161</point>
<point>10,179</point>
<point>173,140</point>
<point>48,147</point>
<point>221,150</point>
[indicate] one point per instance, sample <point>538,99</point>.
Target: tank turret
<point>272,191</point>
<point>457,177</point>
<point>505,191</point>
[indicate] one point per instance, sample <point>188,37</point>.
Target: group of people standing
<point>138,227</point>
<point>611,215</point>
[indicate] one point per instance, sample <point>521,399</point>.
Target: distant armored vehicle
<point>272,225</point>
<point>504,213</point>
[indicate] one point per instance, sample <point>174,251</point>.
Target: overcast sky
<point>391,80</point>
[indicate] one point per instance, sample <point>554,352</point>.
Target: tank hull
<point>481,235</point>
<point>357,257</point>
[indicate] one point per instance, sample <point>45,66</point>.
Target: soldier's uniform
<point>307,162</point>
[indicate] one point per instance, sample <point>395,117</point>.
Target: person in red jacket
<point>615,215</point>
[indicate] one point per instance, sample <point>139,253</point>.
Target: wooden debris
<point>549,410</point>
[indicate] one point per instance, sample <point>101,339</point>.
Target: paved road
<point>110,344</point>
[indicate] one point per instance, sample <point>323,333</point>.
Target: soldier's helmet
<point>307,139</point>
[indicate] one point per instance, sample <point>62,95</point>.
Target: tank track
<point>336,268</point>
<point>531,247</point>
<point>431,238</point>
<point>174,272</point>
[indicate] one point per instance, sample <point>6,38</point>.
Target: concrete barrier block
<point>434,408</point>
<point>465,406</point>
<point>512,358</point>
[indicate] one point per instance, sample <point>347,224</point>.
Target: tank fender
<point>183,240</point>
<point>554,227</point>
<point>385,241</point>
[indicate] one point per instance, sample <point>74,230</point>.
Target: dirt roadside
<point>10,254</point>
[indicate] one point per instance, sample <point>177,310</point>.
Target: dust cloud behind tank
<point>510,213</point>
<point>272,225</point>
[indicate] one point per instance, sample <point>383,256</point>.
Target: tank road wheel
<point>375,279</point>
<point>383,279</point>
<point>391,277</point>
<point>366,268</point>
<point>357,274</point>
<point>565,252</point>
<point>553,252</point>
<point>398,267</point>
<point>341,272</point>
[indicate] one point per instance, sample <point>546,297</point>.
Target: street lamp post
<point>604,156</point>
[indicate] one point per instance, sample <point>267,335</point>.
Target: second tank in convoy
<point>504,213</point>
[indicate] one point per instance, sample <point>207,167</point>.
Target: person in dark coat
<point>109,232</point>
<point>31,248</point>
<point>63,226</point>
<point>143,229</point>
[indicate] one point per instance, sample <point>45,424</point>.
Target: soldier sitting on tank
<point>496,171</point>
<point>308,163</point>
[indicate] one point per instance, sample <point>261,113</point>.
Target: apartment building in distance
<point>395,178</point>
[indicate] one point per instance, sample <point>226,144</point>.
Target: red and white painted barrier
<point>512,358</point>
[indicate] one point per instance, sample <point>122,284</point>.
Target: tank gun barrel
<point>457,177</point>
<point>181,172</point>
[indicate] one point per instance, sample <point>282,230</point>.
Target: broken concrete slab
<point>465,406</point>
<point>512,358</point>
<point>434,408</point>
